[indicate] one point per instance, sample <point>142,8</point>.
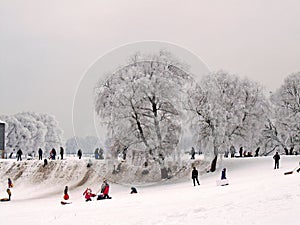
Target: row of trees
<point>30,131</point>
<point>146,105</point>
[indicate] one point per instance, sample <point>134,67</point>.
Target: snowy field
<point>257,194</point>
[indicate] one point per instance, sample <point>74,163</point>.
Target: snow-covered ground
<point>257,194</point>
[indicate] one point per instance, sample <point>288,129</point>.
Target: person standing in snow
<point>232,151</point>
<point>19,155</point>
<point>53,153</point>
<point>241,151</point>
<point>79,153</point>
<point>193,152</point>
<point>276,158</point>
<point>195,176</point>
<point>61,153</point>
<point>223,174</point>
<point>40,152</point>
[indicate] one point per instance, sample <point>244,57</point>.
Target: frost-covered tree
<point>30,131</point>
<point>227,109</point>
<point>285,126</point>
<point>141,106</point>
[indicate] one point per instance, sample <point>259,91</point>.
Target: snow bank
<point>257,194</point>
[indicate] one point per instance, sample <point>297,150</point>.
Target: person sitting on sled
<point>88,194</point>
<point>104,191</point>
<point>9,196</point>
<point>66,195</point>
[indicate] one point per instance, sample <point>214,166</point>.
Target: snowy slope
<point>257,194</point>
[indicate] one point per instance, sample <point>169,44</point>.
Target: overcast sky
<point>46,46</point>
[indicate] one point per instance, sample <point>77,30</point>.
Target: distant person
<point>66,194</point>
<point>223,174</point>
<point>79,153</point>
<point>61,152</point>
<point>193,152</point>
<point>256,152</point>
<point>45,162</point>
<point>9,183</point>
<point>232,151</point>
<point>96,153</point>
<point>53,151</point>
<point>276,158</point>
<point>292,150</point>
<point>40,152</point>
<point>11,154</point>
<point>19,155</point>
<point>286,150</point>
<point>101,151</point>
<point>241,151</point>
<point>195,176</point>
<point>133,190</point>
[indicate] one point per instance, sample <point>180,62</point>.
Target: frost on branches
<point>284,129</point>
<point>141,107</point>
<point>30,131</point>
<point>227,110</point>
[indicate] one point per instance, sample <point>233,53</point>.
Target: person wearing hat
<point>105,189</point>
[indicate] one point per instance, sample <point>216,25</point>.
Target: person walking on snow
<point>195,176</point>
<point>276,158</point>
<point>19,155</point>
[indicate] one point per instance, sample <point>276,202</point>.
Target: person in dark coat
<point>223,174</point>
<point>53,153</point>
<point>241,151</point>
<point>19,155</point>
<point>195,176</point>
<point>276,158</point>
<point>40,152</point>
<point>9,182</point>
<point>256,152</point>
<point>61,153</point>
<point>133,190</point>
<point>193,152</point>
<point>79,153</point>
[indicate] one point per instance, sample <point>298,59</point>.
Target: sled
<point>291,172</point>
<point>222,182</point>
<point>65,202</point>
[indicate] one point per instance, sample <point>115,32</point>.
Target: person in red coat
<point>105,189</point>
<point>88,194</point>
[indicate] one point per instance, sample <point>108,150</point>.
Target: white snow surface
<point>256,194</point>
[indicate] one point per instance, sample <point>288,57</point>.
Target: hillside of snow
<point>257,194</point>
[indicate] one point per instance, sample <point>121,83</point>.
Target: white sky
<point>46,46</point>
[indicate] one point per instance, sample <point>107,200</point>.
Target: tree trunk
<point>213,165</point>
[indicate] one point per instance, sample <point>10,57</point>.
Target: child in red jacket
<point>88,194</point>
